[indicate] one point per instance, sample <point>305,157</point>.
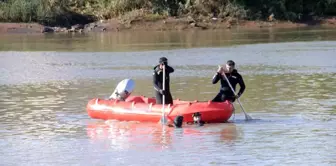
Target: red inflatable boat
<point>143,109</point>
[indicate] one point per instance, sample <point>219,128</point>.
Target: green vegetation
<point>67,12</point>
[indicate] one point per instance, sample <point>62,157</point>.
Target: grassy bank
<point>70,12</point>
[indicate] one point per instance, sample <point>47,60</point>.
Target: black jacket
<point>234,79</point>
<point>158,78</point>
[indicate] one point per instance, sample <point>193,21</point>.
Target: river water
<point>46,82</point>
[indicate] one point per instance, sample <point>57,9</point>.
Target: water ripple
<point>290,94</point>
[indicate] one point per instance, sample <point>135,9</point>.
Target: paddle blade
<point>163,120</point>
<point>123,89</point>
<point>248,117</point>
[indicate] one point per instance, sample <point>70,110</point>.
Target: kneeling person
<point>234,78</point>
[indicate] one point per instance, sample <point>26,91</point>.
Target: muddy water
<point>135,41</point>
<point>46,81</point>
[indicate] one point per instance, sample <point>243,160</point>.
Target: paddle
<point>247,117</point>
<point>163,117</point>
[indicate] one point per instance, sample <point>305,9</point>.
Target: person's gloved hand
<point>220,69</point>
<point>162,92</point>
<point>236,97</point>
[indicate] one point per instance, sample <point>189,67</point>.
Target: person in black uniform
<point>158,81</point>
<point>234,78</point>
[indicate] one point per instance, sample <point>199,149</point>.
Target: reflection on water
<point>290,94</point>
<point>52,115</point>
<point>143,136</point>
<point>38,110</point>
<point>258,59</point>
<point>148,40</point>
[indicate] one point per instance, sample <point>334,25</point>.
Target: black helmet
<point>230,63</point>
<point>163,60</point>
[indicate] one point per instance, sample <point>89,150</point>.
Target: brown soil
<point>163,25</point>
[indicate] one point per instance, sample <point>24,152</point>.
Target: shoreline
<point>162,24</point>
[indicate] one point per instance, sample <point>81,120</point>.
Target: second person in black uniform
<point>225,92</point>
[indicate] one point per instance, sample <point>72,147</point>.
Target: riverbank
<point>154,23</point>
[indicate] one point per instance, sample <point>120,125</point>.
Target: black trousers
<point>223,96</point>
<point>168,98</point>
